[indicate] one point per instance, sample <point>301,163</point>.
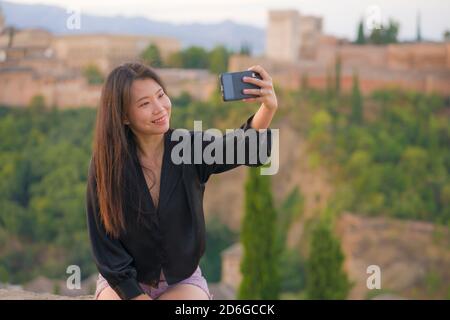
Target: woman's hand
<point>266,95</point>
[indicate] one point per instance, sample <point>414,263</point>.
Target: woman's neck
<point>150,146</point>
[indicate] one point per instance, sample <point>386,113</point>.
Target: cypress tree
<point>152,56</point>
<point>259,264</point>
<point>329,83</point>
<point>361,38</point>
<point>419,31</point>
<point>337,70</point>
<point>357,103</point>
<point>325,277</point>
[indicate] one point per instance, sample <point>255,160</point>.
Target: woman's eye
<point>146,103</point>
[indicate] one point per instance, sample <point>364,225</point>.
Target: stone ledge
<point>17,294</point>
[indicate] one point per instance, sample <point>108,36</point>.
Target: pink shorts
<point>195,279</point>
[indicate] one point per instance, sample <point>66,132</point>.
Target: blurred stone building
<point>297,49</point>
<point>108,50</point>
<point>231,277</point>
<point>292,36</point>
<point>34,62</point>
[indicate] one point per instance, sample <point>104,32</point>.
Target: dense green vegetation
<point>380,34</point>
<point>43,167</point>
<point>44,157</point>
<point>388,153</point>
<point>93,74</point>
<point>194,57</point>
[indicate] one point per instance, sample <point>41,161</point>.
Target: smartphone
<point>232,85</point>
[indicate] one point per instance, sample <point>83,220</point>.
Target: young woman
<point>144,210</point>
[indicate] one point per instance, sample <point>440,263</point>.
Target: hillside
<point>413,256</point>
<point>389,169</point>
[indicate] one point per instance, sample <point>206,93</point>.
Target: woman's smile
<point>161,120</point>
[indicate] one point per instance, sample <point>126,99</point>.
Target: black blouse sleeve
<point>237,140</point>
<point>112,260</point>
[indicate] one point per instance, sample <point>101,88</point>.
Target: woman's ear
<point>126,121</point>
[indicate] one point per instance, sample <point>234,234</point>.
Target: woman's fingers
<point>258,82</point>
<point>258,92</point>
<point>259,99</point>
<point>264,74</point>
<point>266,93</point>
<point>252,91</point>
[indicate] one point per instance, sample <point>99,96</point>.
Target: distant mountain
<point>53,19</point>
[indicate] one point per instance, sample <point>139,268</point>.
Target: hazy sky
<point>340,17</point>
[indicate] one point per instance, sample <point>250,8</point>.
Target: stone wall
<point>409,253</point>
<point>18,294</point>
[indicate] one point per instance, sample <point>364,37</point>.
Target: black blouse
<point>171,236</point>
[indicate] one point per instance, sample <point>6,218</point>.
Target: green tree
<point>357,102</point>
<point>325,277</point>
<point>292,266</point>
<point>37,101</point>
<point>290,209</point>
<point>447,36</point>
<point>385,35</point>
<point>360,38</point>
<point>260,260</point>
<point>292,271</point>
<point>151,56</point>
<point>218,60</point>
<point>195,57</point>
<point>245,49</point>
<point>418,29</point>
<point>183,100</point>
<point>93,74</point>
<point>337,74</point>
<point>175,60</point>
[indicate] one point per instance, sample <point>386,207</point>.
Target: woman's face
<point>150,108</point>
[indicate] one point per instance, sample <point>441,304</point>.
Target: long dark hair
<point>113,142</point>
